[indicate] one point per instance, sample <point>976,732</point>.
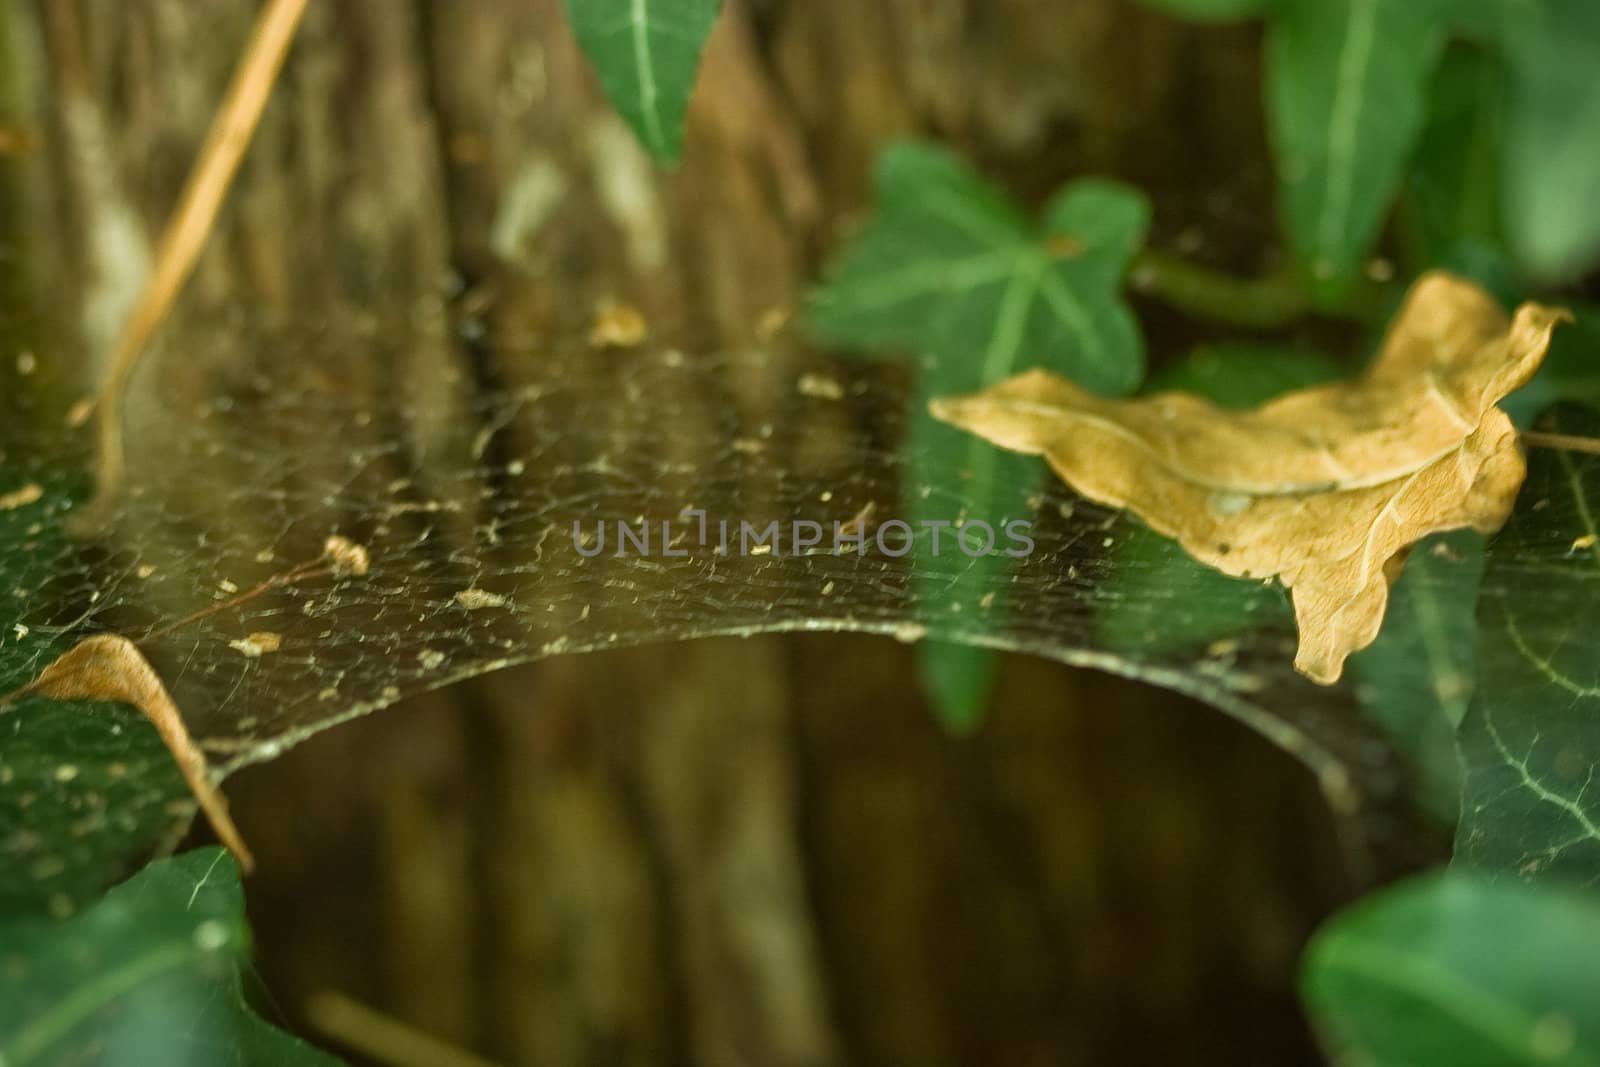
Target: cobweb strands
<point>478,507</point>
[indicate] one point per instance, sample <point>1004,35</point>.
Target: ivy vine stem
<point>1268,302</point>
<point>1562,441</point>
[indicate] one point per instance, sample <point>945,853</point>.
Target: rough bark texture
<point>725,853</point>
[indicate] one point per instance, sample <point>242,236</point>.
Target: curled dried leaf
<point>1324,489</point>
<point>109,667</point>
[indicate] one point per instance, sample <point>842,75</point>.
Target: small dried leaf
<point>257,644</point>
<point>108,667</point>
<point>1325,488</point>
<point>475,598</point>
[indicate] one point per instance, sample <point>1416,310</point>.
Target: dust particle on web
<point>473,599</point>
<point>1554,1036</point>
<point>257,645</point>
<point>618,326</point>
<point>348,559</point>
<point>820,387</point>
<point>430,658</point>
<point>145,570</point>
<point>210,936</point>
<point>909,633</point>
<point>78,414</point>
<point>31,493</point>
<point>772,322</point>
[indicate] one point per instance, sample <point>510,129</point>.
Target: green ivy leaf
<point>1531,741</point>
<point>951,270</point>
<point>1448,969</point>
<point>1211,10</point>
<point>149,975</point>
<point>949,267</point>
<point>1452,193</point>
<point>647,54</point>
<point>1416,679</point>
<point>1165,600</point>
<point>1552,157</point>
<point>1346,87</point>
<point>83,787</point>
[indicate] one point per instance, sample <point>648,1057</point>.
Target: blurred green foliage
<point>1349,88</point>
<point>1449,969</point>
<point>647,55</point>
<point>150,975</point>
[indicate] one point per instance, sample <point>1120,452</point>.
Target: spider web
<point>466,494</point>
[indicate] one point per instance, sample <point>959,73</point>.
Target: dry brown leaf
<point>1324,489</point>
<point>108,667</point>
